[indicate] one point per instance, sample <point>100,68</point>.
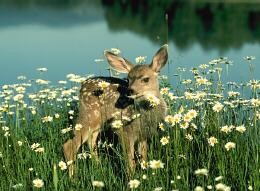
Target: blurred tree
<point>221,25</point>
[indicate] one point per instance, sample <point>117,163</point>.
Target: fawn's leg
<point>72,146</point>
<point>89,132</point>
<point>128,150</point>
<point>92,143</point>
<point>142,149</point>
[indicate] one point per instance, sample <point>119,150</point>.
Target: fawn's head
<point>143,79</point>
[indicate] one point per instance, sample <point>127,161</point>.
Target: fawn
<point>122,105</point>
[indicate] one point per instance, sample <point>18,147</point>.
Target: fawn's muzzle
<point>130,92</point>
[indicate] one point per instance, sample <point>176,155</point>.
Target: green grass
<point>188,148</point>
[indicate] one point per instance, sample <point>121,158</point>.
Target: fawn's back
<point>107,99</point>
<point>103,97</point>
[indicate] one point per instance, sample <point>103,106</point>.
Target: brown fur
<point>100,106</point>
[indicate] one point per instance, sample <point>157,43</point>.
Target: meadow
<point>208,141</point>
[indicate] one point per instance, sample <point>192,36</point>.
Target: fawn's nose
<point>130,91</point>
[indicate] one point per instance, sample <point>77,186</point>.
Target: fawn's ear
<point>160,58</point>
<point>118,63</point>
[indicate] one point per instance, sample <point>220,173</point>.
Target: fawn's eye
<point>145,80</point>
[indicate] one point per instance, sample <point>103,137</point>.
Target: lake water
<point>68,37</point>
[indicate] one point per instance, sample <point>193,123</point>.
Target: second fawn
<point>131,108</point>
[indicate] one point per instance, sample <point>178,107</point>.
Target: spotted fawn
<point>132,108</point>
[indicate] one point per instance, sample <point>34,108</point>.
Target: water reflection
<point>66,36</point>
<point>54,13</point>
<point>213,25</point>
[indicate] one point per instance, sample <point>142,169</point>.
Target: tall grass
<point>191,150</point>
